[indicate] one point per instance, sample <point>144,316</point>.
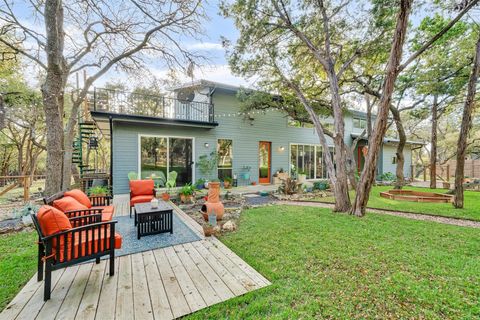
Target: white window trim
<point>314,158</point>
<point>139,150</point>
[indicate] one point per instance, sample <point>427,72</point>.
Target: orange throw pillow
<point>68,204</point>
<point>52,220</point>
<point>142,187</point>
<point>80,196</point>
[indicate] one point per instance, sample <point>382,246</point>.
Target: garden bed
<point>417,196</point>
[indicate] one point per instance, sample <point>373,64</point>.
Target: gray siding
<point>389,153</point>
<point>271,126</point>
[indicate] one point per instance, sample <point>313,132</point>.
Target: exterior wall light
<point>206,145</point>
<point>282,148</point>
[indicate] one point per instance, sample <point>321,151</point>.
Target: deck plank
<point>141,298</point>
<point>72,300</point>
<point>207,292</point>
<point>108,296</point>
<point>213,278</point>
<point>238,273</point>
<point>178,303</point>
<point>232,283</point>
<point>124,306</point>
<point>52,306</point>
<point>251,272</point>
<point>193,297</point>
<point>158,296</point>
<point>88,306</point>
<point>33,306</point>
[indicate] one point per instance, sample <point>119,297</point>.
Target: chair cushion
<point>80,196</point>
<point>140,199</point>
<point>107,212</point>
<point>68,204</point>
<point>82,247</point>
<point>52,220</point>
<point>141,187</point>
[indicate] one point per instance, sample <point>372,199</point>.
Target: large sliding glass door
<point>309,160</point>
<point>161,155</point>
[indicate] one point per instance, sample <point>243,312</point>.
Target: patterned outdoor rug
<point>130,244</point>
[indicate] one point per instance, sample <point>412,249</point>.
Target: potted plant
<point>98,191</point>
<point>227,183</point>
<point>200,184</point>
<point>186,193</point>
<point>301,176</point>
<point>207,163</point>
<point>165,195</point>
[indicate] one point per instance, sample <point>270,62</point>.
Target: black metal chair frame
<point>82,224</point>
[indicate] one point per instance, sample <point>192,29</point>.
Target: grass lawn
<point>470,211</point>
<point>18,263</point>
<point>331,266</point>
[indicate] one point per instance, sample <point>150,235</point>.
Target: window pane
<point>181,159</point>
<point>225,158</point>
<point>153,158</point>
<point>293,158</point>
<point>319,164</point>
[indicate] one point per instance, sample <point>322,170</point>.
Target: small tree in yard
<point>93,36</point>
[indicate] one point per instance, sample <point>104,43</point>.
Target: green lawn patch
<point>333,266</point>
<point>470,211</point>
<point>18,263</point>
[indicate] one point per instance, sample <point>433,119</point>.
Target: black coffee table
<point>153,220</point>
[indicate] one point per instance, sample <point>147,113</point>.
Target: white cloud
<point>205,46</point>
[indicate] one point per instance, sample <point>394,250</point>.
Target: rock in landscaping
<point>229,226</point>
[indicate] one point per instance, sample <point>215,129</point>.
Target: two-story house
<point>152,134</point>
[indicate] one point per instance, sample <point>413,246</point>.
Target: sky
<point>209,44</point>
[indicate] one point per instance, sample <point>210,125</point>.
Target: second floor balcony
<point>150,106</point>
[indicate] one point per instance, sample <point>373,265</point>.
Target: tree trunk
<point>402,139</point>
<point>2,112</point>
<point>465,128</point>
<point>342,197</point>
<point>52,92</point>
<point>351,168</point>
<point>375,142</point>
<point>433,142</point>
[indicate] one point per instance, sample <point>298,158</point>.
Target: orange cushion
<point>140,199</point>
<point>52,220</point>
<point>68,204</point>
<point>80,196</point>
<point>107,212</point>
<point>84,248</point>
<point>142,187</point>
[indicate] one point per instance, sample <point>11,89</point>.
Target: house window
<point>225,158</point>
<point>308,160</point>
<point>394,160</point>
<point>159,156</point>
<point>359,123</point>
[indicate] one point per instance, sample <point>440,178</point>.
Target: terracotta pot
<point>208,231</point>
<point>165,196</point>
<point>226,185</point>
<point>185,198</point>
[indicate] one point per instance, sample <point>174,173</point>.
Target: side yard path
<point>414,216</point>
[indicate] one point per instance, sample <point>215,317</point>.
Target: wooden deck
<point>164,283</point>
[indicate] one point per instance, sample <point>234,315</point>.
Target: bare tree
<point>95,36</point>
<point>465,128</point>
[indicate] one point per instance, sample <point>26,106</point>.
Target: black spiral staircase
<point>86,130</point>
